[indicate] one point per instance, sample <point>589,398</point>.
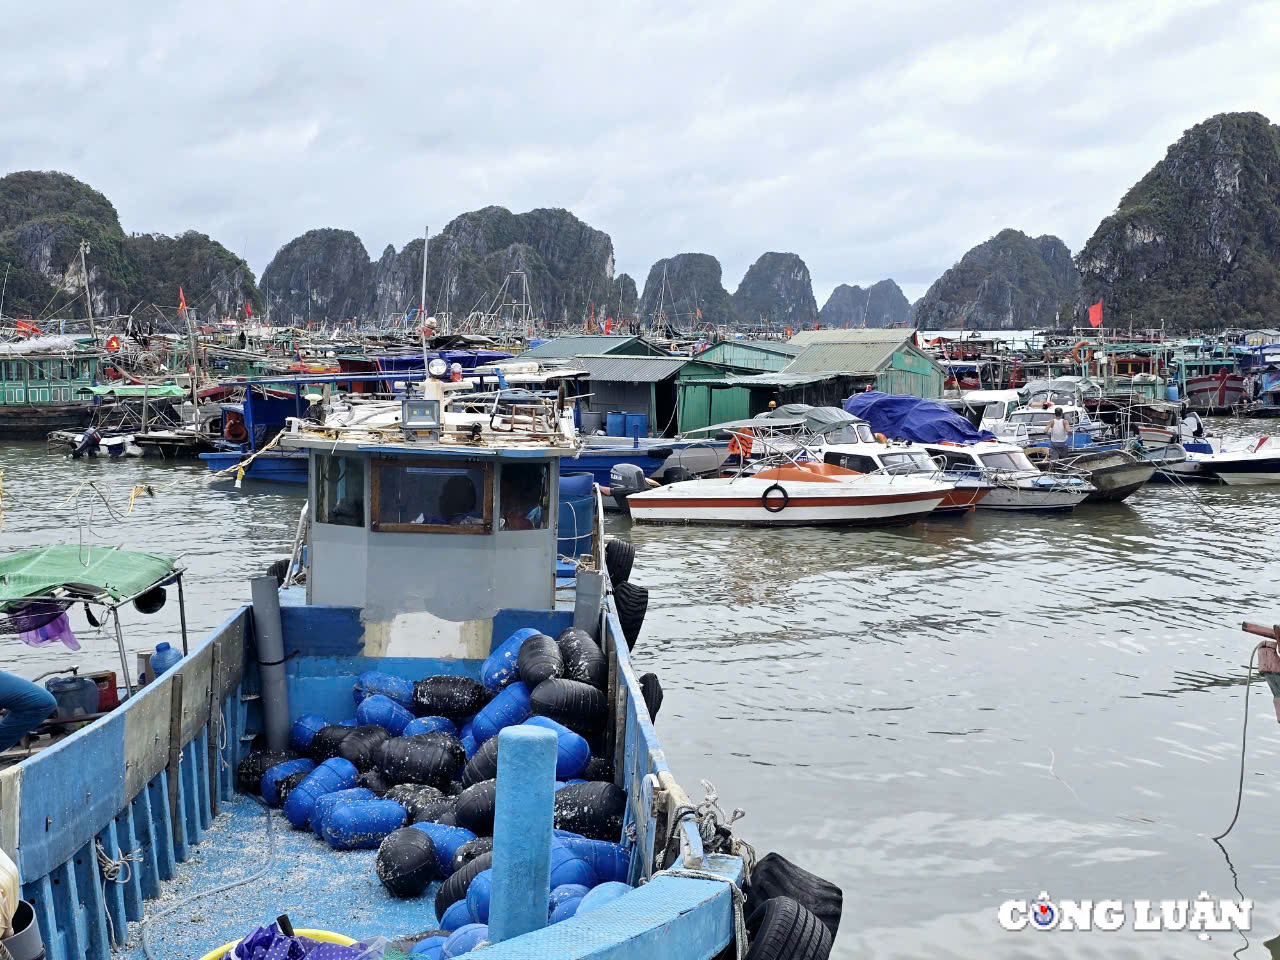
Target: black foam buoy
<point>583,659</point>
<point>598,768</point>
<point>475,808</point>
<point>447,696</point>
<point>250,770</point>
<point>362,745</point>
<point>324,745</point>
<point>470,850</point>
<point>632,602</point>
<point>439,810</point>
<point>594,810</point>
<point>288,783</point>
<point>483,765</point>
<point>418,760</point>
<point>406,862</point>
<point>373,780</point>
<point>539,659</point>
<point>414,797</point>
<point>455,885</point>
<point>579,706</point>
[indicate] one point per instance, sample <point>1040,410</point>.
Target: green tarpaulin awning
<point>138,390</point>
<point>88,571</point>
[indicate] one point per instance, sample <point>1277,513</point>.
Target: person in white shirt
<point>1059,434</point>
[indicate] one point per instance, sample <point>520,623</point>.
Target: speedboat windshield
<point>1010,460</point>
<point>907,461</point>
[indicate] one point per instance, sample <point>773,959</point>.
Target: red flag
<point>182,300</point>
<point>27,328</point>
<point>608,326</point>
<point>248,309</point>
<point>699,309</point>
<point>1095,315</point>
<point>789,332</point>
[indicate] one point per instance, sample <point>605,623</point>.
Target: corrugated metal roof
<point>632,369</point>
<point>861,335</point>
<point>765,380</point>
<point>844,357</point>
<point>786,347</point>
<point>576,345</point>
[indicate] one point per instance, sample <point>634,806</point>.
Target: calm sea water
<point>936,718</point>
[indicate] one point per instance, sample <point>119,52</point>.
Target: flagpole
<point>422,308</point>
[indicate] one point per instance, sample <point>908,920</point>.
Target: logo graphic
<point>1044,915</point>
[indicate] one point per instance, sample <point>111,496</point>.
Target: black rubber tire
<point>469,851</point>
<point>250,770</point>
<point>483,765</point>
<point>446,696</point>
<point>539,659</point>
<point>362,746</point>
<point>418,760</point>
<point>651,690</point>
<point>414,797</point>
<point>373,780</point>
<point>583,659</point>
<point>324,745</point>
<point>598,768</point>
<point>595,810</point>
<point>632,603</point>
<point>476,806</point>
<point>406,862</point>
<point>279,570</point>
<point>782,929</point>
<point>776,876</point>
<point>455,885</point>
<point>288,783</point>
<point>764,498</point>
<point>579,706</point>
<point>619,556</point>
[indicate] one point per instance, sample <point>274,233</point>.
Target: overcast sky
<point>875,140</point>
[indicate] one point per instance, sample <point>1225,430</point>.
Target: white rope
<point>115,871</point>
<point>739,899</point>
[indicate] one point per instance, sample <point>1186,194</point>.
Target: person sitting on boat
<point>25,705</point>
<point>1059,435</point>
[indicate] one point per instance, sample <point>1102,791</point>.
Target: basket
<point>324,936</point>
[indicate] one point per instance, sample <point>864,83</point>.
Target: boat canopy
<point>66,572</point>
<point>819,420</point>
<point>910,418</point>
<point>153,390</point>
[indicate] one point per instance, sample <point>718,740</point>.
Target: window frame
<point>321,473</point>
<point>375,493</point>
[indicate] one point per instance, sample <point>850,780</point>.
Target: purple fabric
<point>268,943</point>
<point>58,628</point>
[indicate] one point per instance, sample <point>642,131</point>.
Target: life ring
<point>235,431</point>
<point>881,438</point>
<point>764,498</point>
<point>1088,352</point>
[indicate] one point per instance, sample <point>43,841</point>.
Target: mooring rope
<point>115,871</point>
<point>735,892</point>
<point>1244,734</point>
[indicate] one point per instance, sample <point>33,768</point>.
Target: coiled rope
<point>115,871</point>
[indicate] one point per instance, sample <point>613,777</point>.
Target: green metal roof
<point>866,358</point>
<point>87,572</point>
<point>787,348</point>
<point>632,369</point>
<point>582,345</point>
<point>766,380</point>
<point>860,335</point>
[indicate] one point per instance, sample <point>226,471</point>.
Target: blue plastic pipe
<point>522,832</point>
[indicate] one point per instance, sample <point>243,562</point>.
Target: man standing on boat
<point>1059,435</point>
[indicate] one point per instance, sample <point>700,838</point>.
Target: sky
<point>875,140</point>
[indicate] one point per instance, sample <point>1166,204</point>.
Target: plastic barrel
<point>429,725</point>
<point>448,840</point>
<point>573,532</point>
<point>572,752</point>
<point>362,825</point>
<point>478,894</point>
<point>333,774</point>
<point>637,425</point>
<point>458,915</point>
<point>574,485</point>
<point>271,779</point>
<point>329,800</point>
<point>602,894</point>
<point>499,668</point>
<point>615,423</point>
<point>508,708</point>
<point>385,712</point>
<point>304,730</point>
<point>164,658</point>
<point>376,682</point>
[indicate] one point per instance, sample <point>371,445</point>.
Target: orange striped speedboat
<point>804,493</point>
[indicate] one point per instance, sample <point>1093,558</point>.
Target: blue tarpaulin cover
<point>910,418</point>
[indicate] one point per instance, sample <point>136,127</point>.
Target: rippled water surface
<point>937,718</point>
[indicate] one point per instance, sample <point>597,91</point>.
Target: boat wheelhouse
<point>46,384</point>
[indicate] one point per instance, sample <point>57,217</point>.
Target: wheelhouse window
<point>907,461</point>
<point>340,490</point>
<point>524,496</point>
<point>432,496</point>
<point>1007,461</point>
<point>853,461</point>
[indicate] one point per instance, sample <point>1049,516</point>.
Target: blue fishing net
<point>268,943</point>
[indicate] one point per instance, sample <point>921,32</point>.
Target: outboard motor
<point>88,445</point>
<point>676,475</point>
<point>624,480</point>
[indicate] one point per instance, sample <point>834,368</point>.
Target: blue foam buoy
<point>566,910</point>
<point>429,948</point>
<point>429,725</point>
<point>458,915</point>
<point>568,867</point>
<point>362,824</point>
<point>271,779</point>
<point>478,893</point>
<point>499,669</point>
<point>385,712</point>
<point>447,839</point>
<point>304,730</point>
<point>572,752</point>
<point>507,709</point>
<point>326,803</point>
<point>610,861</point>
<point>376,682</point>
<point>334,774</point>
<point>602,894</point>
<point>566,891</point>
<point>464,940</point>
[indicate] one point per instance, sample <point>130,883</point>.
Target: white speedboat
<point>1250,462</point>
<point>1015,482</point>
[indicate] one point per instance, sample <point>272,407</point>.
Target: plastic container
<point>574,485</point>
<point>76,696</point>
<point>164,658</point>
<point>572,752</point>
<point>385,712</point>
<point>464,940</point>
<point>271,779</point>
<point>323,936</point>
<point>334,774</point>
<point>637,425</point>
<point>362,825</point>
<point>573,531</point>
<point>615,423</point>
<point>507,709</point>
<point>602,894</point>
<point>25,944</point>
<point>499,669</point>
<point>428,724</point>
<point>326,803</point>
<point>375,681</point>
<point>108,692</point>
<point>478,894</point>
<point>304,729</point>
<point>458,915</point>
<point>448,840</point>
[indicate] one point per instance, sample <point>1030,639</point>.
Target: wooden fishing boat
<point>46,383</point>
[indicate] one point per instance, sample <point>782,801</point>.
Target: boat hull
<point>1215,393</point>
<point>37,422</point>
<point>1026,498</point>
<point>274,466</point>
<point>801,510</point>
<point>960,499</point>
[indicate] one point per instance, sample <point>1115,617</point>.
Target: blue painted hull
<point>599,461</point>
<point>272,467</point>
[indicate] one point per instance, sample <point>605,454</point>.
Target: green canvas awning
<point>138,390</point>
<point>87,572</point>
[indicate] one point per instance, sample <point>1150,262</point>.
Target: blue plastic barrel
<point>637,425</point>
<point>164,658</point>
<point>1171,393</point>
<point>499,669</point>
<point>577,519</point>
<point>602,894</point>
<point>464,940</point>
<point>429,725</point>
<point>508,708</point>
<point>304,730</point>
<point>334,774</point>
<point>458,915</point>
<point>565,910</point>
<point>447,839</point>
<point>615,423</point>
<point>375,681</point>
<point>478,893</point>
<point>572,752</point>
<point>362,825</point>
<point>271,779</point>
<point>573,485</point>
<point>329,800</point>
<point>382,710</point>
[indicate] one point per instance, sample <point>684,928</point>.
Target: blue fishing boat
<point>428,561</point>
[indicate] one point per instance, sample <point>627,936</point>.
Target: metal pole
<point>146,417</point>
<point>422,307</point>
<point>522,832</point>
<point>182,615</point>
<point>124,660</point>
<point>88,297</point>
<point>269,636</point>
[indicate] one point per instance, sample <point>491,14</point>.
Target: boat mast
<point>88,297</point>
<point>3,288</point>
<point>422,307</point>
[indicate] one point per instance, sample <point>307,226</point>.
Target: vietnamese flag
<point>182,300</point>
<point>248,309</point>
<point>608,326</point>
<point>1095,315</point>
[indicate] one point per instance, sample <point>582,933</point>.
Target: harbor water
<point>937,718</point>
